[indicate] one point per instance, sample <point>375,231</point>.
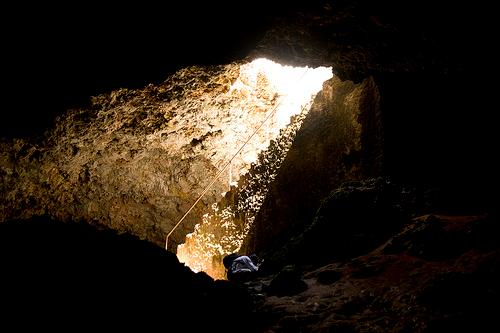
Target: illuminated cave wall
<point>137,159</point>
<point>224,228</point>
<point>338,138</point>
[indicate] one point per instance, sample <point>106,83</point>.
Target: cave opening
<point>285,95</point>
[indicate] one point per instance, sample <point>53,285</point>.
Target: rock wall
<point>340,139</point>
<point>432,120</point>
<point>137,159</point>
<point>430,62</point>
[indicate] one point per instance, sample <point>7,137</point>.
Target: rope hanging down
<point>226,165</point>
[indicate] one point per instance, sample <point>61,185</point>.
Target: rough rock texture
<point>382,257</point>
<point>429,62</point>
<point>417,281</point>
<point>137,159</point>
<point>343,225</point>
<point>410,83</point>
<point>357,38</point>
<point>341,139</point>
<point>435,127</point>
<point>412,69</point>
<point>223,230</point>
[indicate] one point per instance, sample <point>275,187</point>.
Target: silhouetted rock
<point>59,275</point>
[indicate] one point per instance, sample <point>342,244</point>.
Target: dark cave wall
<point>430,62</point>
<point>437,128</point>
<point>433,126</point>
<point>340,139</point>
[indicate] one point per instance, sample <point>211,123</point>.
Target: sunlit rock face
<point>223,229</point>
<point>137,159</point>
<point>338,139</point>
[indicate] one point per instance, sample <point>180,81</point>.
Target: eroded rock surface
<point>137,159</point>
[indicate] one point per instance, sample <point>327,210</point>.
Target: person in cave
<point>240,267</point>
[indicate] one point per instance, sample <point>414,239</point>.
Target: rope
<point>225,166</point>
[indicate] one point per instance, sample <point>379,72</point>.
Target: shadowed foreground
<point>69,276</point>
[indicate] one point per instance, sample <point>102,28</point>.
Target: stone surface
<point>389,290</point>
<point>137,159</point>
<point>341,139</point>
<point>410,98</point>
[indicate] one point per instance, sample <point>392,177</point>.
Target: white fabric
<point>243,264</point>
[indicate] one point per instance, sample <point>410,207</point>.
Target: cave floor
<point>409,284</point>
